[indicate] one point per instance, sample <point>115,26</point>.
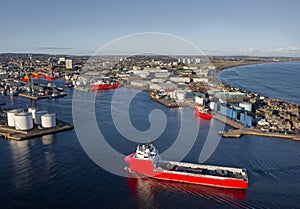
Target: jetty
<point>36,97</point>
<point>165,102</point>
<point>240,130</point>
<point>256,132</point>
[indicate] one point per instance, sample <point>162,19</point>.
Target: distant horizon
<point>127,55</point>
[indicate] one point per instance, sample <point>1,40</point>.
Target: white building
<point>69,64</point>
<point>61,59</point>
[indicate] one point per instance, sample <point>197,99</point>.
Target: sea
<point>276,80</point>
<point>61,170</point>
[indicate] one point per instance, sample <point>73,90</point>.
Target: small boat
<point>51,85</point>
<point>60,89</point>
<point>12,91</point>
<point>55,95</point>
<point>146,161</point>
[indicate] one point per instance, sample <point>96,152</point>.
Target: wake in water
<point>230,197</point>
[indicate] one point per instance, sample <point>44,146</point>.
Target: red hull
<point>207,116</point>
<point>50,78</point>
<point>136,184</point>
<point>106,86</point>
<point>24,79</point>
<point>35,75</point>
<point>145,167</point>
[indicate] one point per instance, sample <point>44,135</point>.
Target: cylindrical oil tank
<point>11,116</point>
<point>23,121</point>
<point>32,110</point>
<point>37,118</point>
<point>48,120</point>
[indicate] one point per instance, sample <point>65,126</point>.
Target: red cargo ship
<point>202,112</point>
<point>104,86</point>
<point>146,161</point>
<point>50,77</point>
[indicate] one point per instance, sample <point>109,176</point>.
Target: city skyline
<point>217,28</point>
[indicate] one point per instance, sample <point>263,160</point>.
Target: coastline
<point>217,77</point>
<point>239,129</point>
<point>237,133</point>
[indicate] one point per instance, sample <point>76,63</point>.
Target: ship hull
<point>206,116</point>
<point>50,78</point>
<point>145,167</point>
<point>96,87</point>
<point>24,79</point>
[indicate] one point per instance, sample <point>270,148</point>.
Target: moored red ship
<point>146,161</point>
<point>201,109</point>
<point>50,77</point>
<point>202,112</point>
<point>104,85</point>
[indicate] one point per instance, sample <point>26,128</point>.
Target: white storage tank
<point>48,120</point>
<point>32,110</point>
<point>11,116</point>
<point>246,105</point>
<point>23,121</point>
<point>37,118</point>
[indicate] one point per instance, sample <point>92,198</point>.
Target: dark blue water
<point>277,80</point>
<point>54,171</point>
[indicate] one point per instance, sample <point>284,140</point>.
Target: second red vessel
<point>203,112</point>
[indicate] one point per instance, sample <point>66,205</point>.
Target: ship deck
<point>202,170</point>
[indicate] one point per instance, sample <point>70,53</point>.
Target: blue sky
<point>218,27</point>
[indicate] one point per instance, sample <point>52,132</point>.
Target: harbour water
<point>55,172</point>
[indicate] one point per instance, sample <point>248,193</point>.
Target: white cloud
<point>287,49</point>
<point>252,50</point>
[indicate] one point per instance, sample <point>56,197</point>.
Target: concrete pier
<point>241,130</point>
<point>255,132</point>
<point>34,97</point>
